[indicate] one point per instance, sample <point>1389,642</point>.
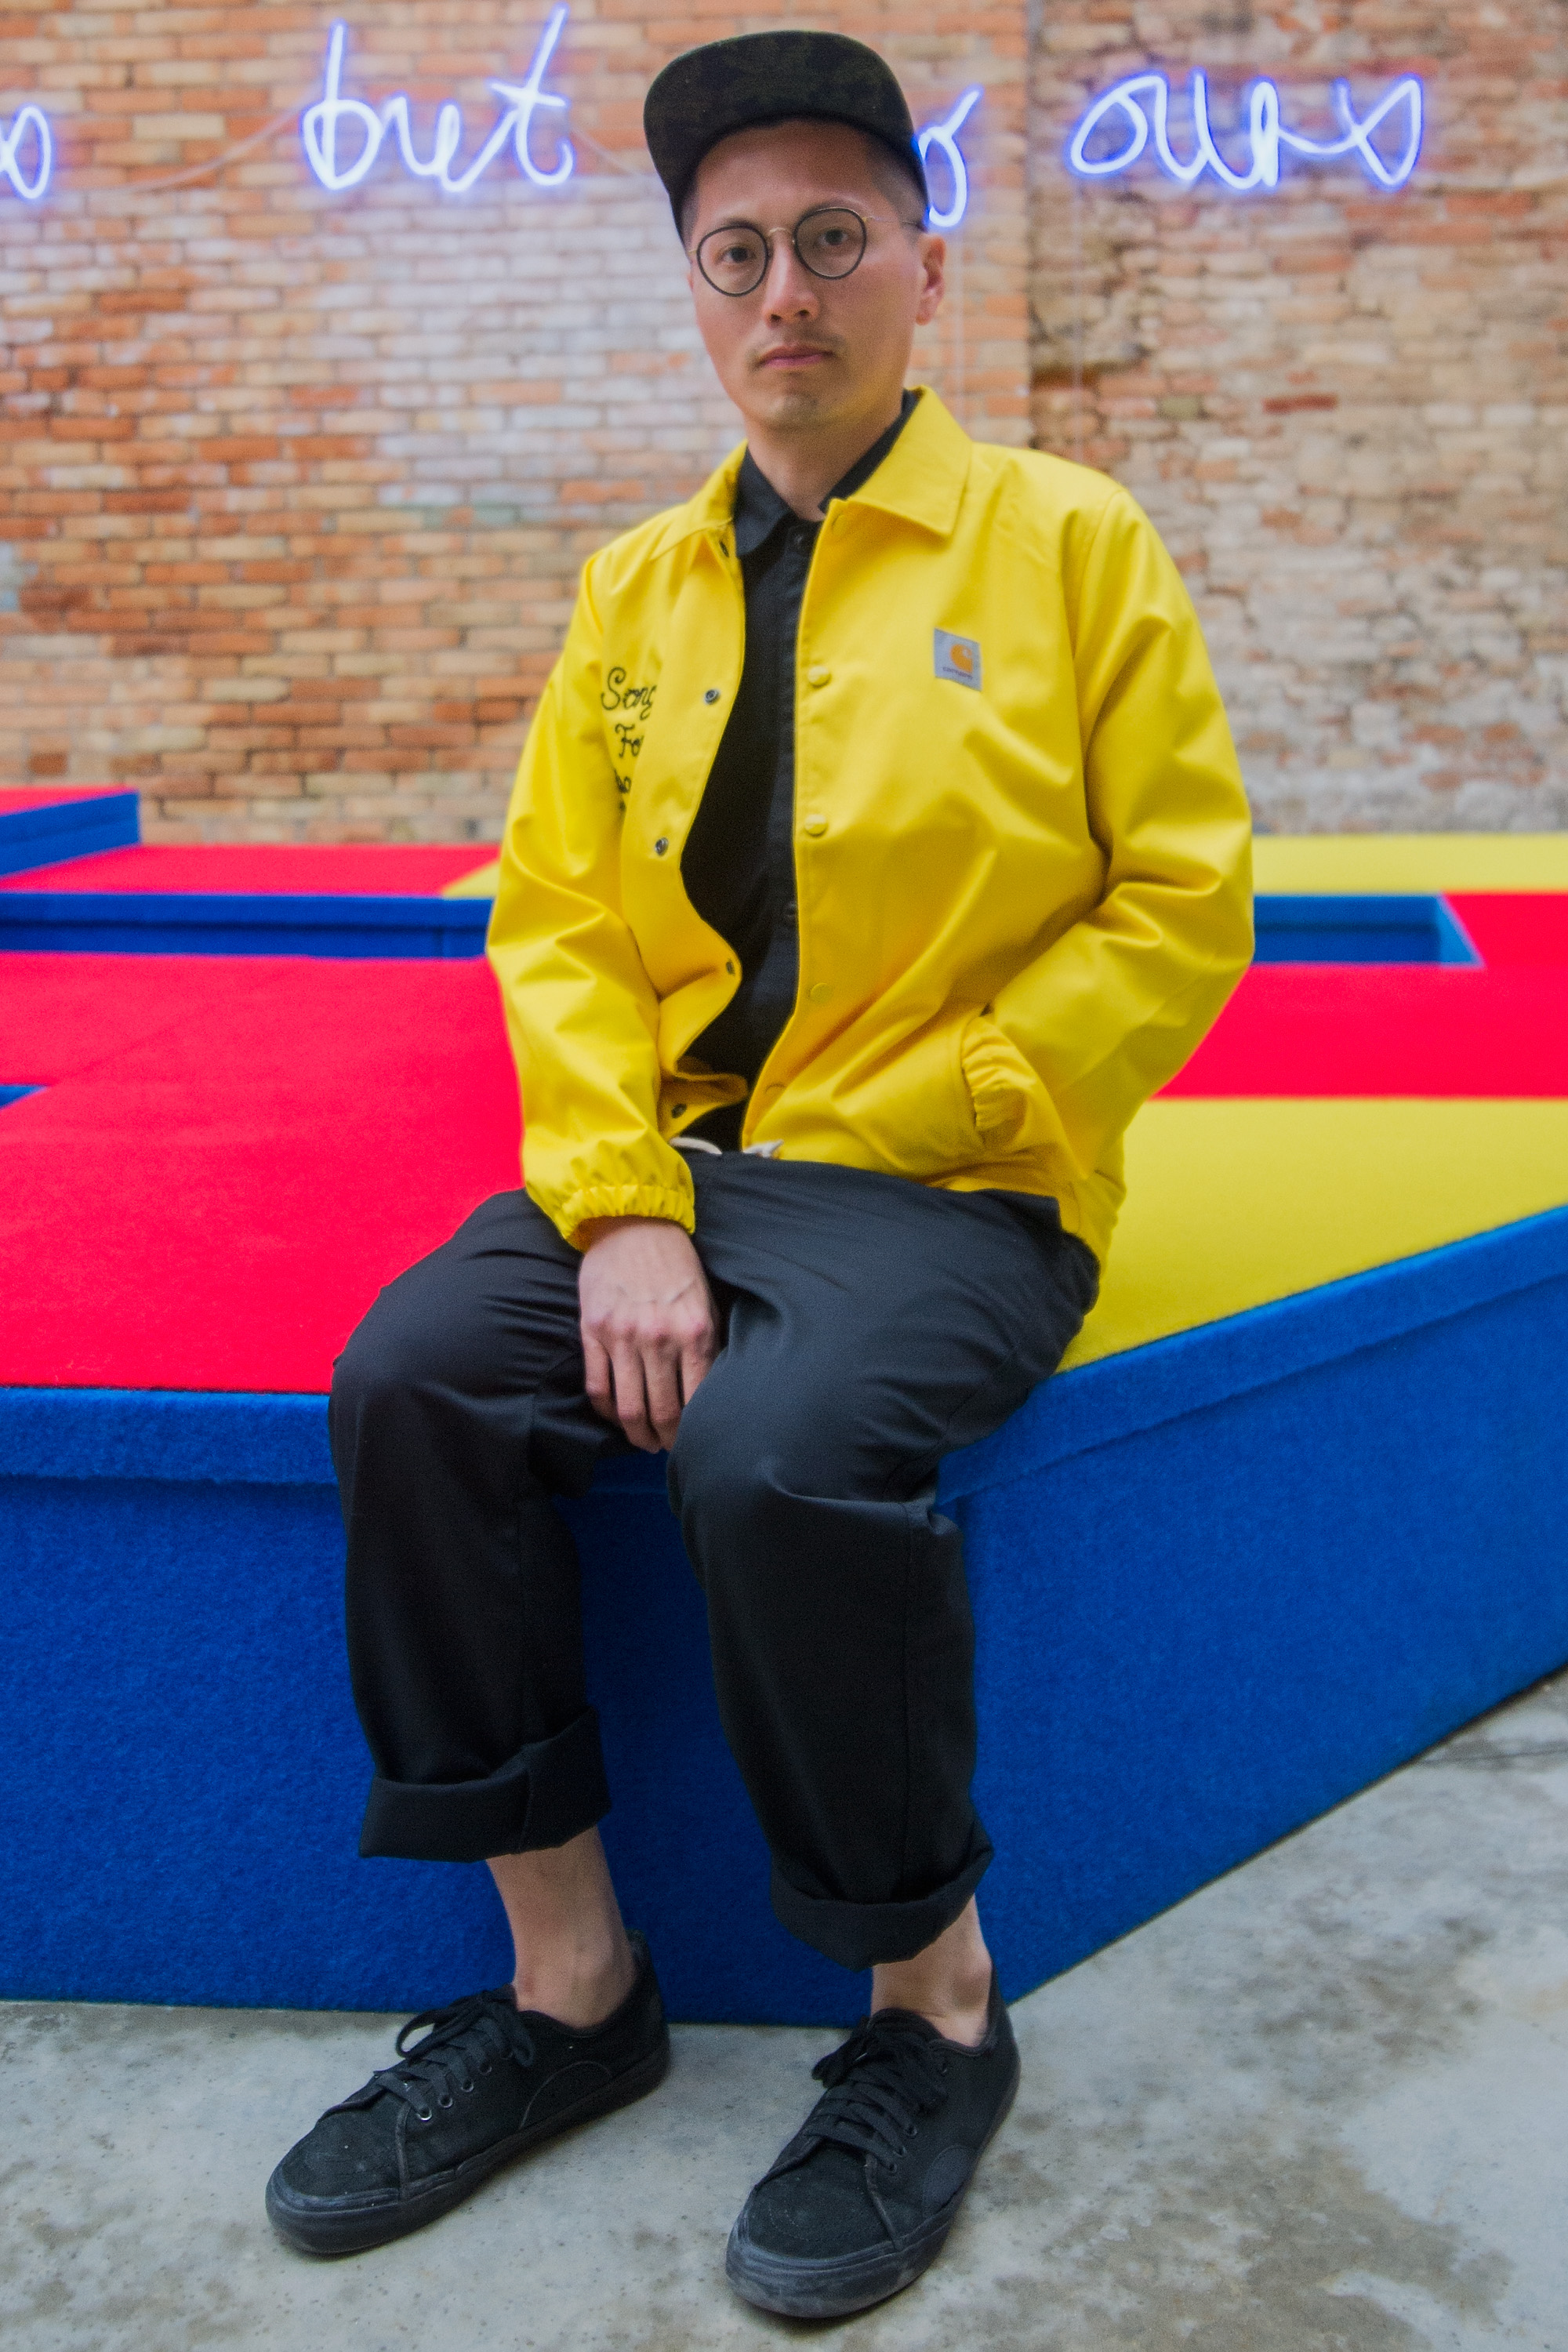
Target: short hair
<point>896,179</point>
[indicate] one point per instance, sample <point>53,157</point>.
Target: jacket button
<point>813,825</point>
<point>678,1110</point>
<point>712,695</point>
<point>818,674</point>
<point>821,992</point>
<point>730,963</point>
<point>660,845</point>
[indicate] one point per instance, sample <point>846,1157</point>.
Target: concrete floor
<point>1320,2108</point>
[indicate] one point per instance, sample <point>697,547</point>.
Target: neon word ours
<point>321,125</point>
<point>33,119</point>
<point>1143,103</point>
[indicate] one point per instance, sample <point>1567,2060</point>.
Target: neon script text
<point>321,124</point>
<point>344,137</point>
<point>33,119</point>
<point>1141,105</point>
<point>943,136</point>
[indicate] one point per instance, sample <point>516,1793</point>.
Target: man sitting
<point>878,849</point>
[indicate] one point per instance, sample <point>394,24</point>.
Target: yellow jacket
<point>1021,903</point>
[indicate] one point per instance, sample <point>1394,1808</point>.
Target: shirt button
<point>821,992</point>
<point>660,845</point>
<point>712,695</point>
<point>818,674</point>
<point>813,825</point>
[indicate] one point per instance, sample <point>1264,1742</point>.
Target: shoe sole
<point>330,2228</point>
<point>802,2289</point>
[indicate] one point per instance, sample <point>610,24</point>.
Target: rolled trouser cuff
<point>549,1791</point>
<point>860,1935</point>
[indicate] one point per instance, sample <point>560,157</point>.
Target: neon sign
<point>1144,96</point>
<point>319,126</point>
<point>33,119</point>
<point>944,135</point>
<point>344,137</point>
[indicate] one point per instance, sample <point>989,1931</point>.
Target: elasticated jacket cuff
<point>622,1201</point>
<point>859,1934</point>
<point>546,1793</point>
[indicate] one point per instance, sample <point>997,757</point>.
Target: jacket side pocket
<point>1003,1087</point>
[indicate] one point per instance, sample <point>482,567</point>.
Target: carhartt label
<point>957,658</point>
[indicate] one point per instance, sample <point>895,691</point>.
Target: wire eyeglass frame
<point>765,238</point>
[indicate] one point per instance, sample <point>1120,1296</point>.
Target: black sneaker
<point>485,2084</point>
<point>861,2200</point>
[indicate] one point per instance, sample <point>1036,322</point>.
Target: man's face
<point>804,353</point>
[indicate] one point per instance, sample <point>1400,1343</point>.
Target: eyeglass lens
<point>829,243</point>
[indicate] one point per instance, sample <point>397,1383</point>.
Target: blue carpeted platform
<point>195,922</point>
<point>49,831</point>
<point>1221,1582</point>
<point>1395,928</point>
<point>1366,926</point>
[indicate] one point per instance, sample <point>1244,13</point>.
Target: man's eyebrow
<point>817,205</point>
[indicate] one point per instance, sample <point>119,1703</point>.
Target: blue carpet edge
<point>239,922</point>
<point>63,830</point>
<point>254,1438</point>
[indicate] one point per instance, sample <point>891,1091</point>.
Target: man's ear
<point>933,277</point>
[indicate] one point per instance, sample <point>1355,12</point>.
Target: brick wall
<point>1347,409</point>
<point>294,485</point>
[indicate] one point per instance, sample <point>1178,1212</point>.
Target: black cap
<point>727,86</point>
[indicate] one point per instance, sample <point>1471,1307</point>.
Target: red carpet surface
<point>230,1155</point>
<point>349,869</point>
<point>1405,1029</point>
<point>43,796</point>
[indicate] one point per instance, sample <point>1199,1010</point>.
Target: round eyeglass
<point>829,241</point>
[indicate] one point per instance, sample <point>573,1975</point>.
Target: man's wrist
<point>594,1229</point>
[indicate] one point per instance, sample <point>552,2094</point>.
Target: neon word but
<point>1141,95</point>
<point>944,135</point>
<point>33,119</point>
<point>319,126</point>
<point>322,125</point>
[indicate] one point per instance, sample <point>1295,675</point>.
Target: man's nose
<point>789,290</point>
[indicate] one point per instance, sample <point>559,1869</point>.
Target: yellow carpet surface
<point>1410,861</point>
<point>1231,1204</point>
<point>479,884</point>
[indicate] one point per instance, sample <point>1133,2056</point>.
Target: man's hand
<point>649,1331</point>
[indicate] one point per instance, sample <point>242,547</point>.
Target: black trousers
<point>869,1327</point>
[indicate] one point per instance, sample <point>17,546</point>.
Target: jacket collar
<point>922,477</point>
<point>710,510</point>
<point>760,510</point>
<point>921,480</point>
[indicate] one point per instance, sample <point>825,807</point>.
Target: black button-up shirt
<point>739,861</point>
